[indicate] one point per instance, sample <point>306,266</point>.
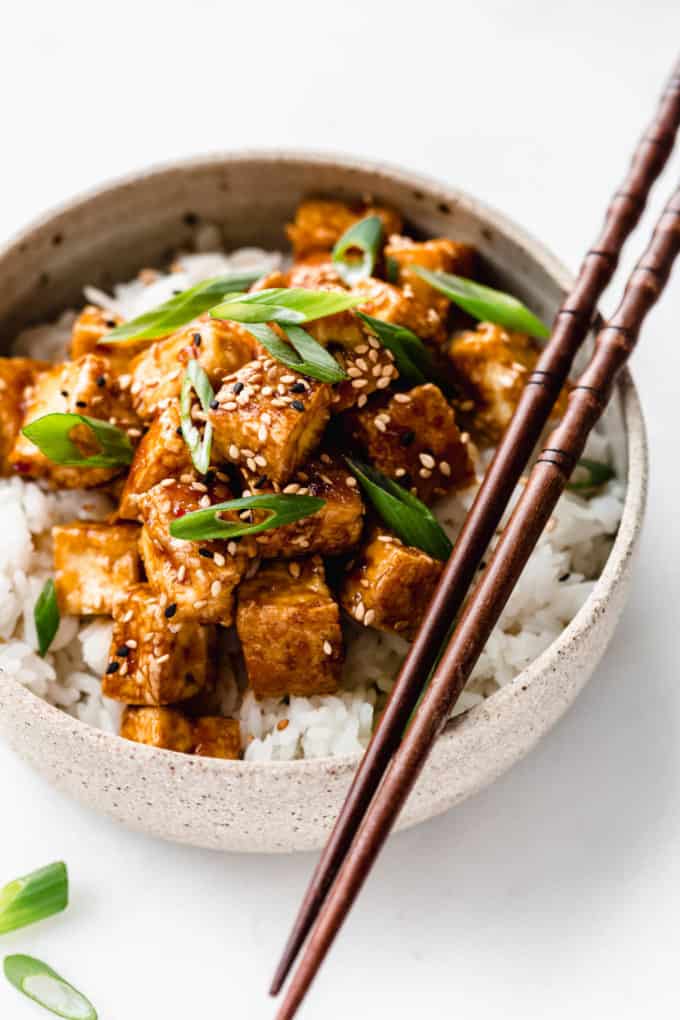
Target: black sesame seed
<point>112,667</point>
<point>176,292</point>
<point>123,651</point>
<point>298,387</point>
<point>406,438</point>
<point>111,323</point>
<point>297,405</point>
<point>81,403</point>
<point>101,381</point>
<point>260,482</point>
<point>178,430</point>
<point>208,553</point>
<point>171,610</point>
<point>191,219</point>
<point>237,387</point>
<point>64,393</point>
<point>209,477</point>
<point>197,339</point>
<point>565,577</point>
<point>189,678</point>
<point>405,481</point>
<point>214,404</point>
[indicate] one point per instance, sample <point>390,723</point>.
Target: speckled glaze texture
<point>268,807</point>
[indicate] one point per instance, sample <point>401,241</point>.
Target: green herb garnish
<point>404,513</point>
<point>392,269</point>
<point>410,354</point>
<point>181,308</point>
<point>33,897</point>
<point>303,353</point>
<point>39,982</point>
<point>207,524</point>
<point>484,303</point>
<point>46,616</point>
<point>195,380</point>
<point>597,474</point>
<point>285,305</point>
<point>52,435</point>
<point>364,236</point>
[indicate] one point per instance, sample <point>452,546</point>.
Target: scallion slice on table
<point>484,303</point>
<point>181,308</point>
<point>43,985</point>
<point>303,353</point>
<point>410,354</point>
<point>409,518</point>
<point>46,616</point>
<point>285,305</point>
<point>52,435</point>
<point>207,524</point>
<point>33,897</point>
<point>200,445</point>
<point>364,237</point>
<point>596,474</point>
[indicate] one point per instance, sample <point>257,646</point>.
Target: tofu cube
<point>162,453</point>
<point>389,585</point>
<point>413,438</point>
<point>88,336</point>
<point>439,255</point>
<point>16,374</point>
<point>156,659</point>
<point>334,529</point>
<point>197,578</point>
<point>316,271</point>
<point>157,373</point>
<point>319,223</point>
<point>89,387</point>
<point>215,737</point>
<point>370,368</point>
<point>92,563</point>
<point>158,727</point>
<point>493,365</point>
<point>401,305</point>
<point>289,628</point>
<point>269,419</point>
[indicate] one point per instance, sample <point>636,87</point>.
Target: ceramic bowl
<point>107,236</point>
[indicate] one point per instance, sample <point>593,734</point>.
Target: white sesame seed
<point>402,398</point>
<point>287,378</point>
<point>262,433</point>
<point>361,349</point>
<point>167,481</point>
<point>200,604</point>
<point>230,406</point>
<point>294,569</point>
<point>234,452</point>
<point>380,425</point>
<point>328,648</point>
<point>362,401</point>
<point>351,481</point>
<point>426,460</point>
<point>267,391</point>
<point>204,502</point>
<point>181,573</point>
<point>353,372</point>
<point>131,643</point>
<point>219,560</point>
<point>252,466</point>
<point>359,611</point>
<point>373,357</point>
<point>400,472</point>
<point>292,487</point>
<point>231,548</point>
<point>215,588</point>
<point>445,468</point>
<point>162,659</point>
<point>358,383</point>
<point>375,344</point>
<point>260,460</point>
<point>376,371</point>
<point>382,383</point>
<point>266,417</point>
<point>424,473</point>
<point>369,618</point>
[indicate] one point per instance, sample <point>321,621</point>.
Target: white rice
<point>558,579</point>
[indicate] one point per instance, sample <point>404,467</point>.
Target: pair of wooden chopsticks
<point>393,761</point>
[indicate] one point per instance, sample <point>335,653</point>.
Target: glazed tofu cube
<point>158,727</point>
<point>156,659</point>
<point>438,254</point>
<point>93,563</point>
<point>319,223</point>
<point>289,628</point>
<point>332,530</point>
<point>196,578</point>
<point>316,271</point>
<point>162,453</point>
<point>370,368</point>
<point>401,306</point>
<point>494,365</point>
<point>413,437</point>
<point>16,374</point>
<point>89,337</point>
<point>390,585</point>
<point>88,387</point>
<point>157,373</point>
<point>215,737</point>
<point>269,419</point>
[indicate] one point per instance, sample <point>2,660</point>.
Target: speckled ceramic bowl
<point>106,236</point>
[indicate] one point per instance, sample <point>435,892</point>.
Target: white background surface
<point>556,893</point>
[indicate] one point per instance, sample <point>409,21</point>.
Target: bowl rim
<point>431,187</point>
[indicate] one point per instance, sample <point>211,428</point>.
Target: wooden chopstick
<point>587,400</point>
<point>570,328</point>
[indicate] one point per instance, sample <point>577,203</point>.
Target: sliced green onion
<point>33,897</point>
<point>391,269</point>
<point>484,303</point>
<point>409,519</point>
<point>46,616</point>
<point>285,305</point>
<point>364,236</point>
<point>411,356</point>
<point>597,474</point>
<point>52,435</point>
<point>39,982</point>
<point>181,308</point>
<point>207,524</point>
<point>196,380</point>
<point>303,353</point>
